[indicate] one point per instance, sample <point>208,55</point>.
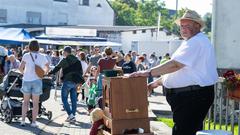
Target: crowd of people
<point>130,62</point>
<point>80,72</point>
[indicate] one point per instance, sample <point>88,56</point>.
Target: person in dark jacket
<point>128,66</point>
<point>72,75</point>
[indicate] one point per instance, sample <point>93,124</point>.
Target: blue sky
<point>201,6</point>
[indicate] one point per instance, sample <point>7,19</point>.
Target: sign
<point>71,31</point>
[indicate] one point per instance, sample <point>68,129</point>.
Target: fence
<point>225,112</point>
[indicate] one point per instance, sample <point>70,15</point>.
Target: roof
<point>74,41</point>
<point>77,43</point>
<point>70,38</point>
<point>34,27</point>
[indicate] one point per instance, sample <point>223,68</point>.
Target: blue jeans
<point>32,87</point>
<point>69,87</point>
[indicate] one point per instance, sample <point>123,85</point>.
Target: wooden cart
<point>125,104</point>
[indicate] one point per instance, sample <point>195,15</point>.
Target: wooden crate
<point>125,104</point>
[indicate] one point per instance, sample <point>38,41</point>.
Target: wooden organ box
<point>125,104</point>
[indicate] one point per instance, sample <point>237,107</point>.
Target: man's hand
<point>153,85</point>
<point>139,73</point>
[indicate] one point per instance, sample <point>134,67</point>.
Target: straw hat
<point>191,15</point>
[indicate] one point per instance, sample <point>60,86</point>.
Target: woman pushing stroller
<point>32,83</point>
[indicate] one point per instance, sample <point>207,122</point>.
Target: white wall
<point>226,33</point>
<point>128,37</point>
<point>54,12</point>
<point>159,47</point>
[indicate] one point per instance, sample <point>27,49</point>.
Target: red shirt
<point>106,64</point>
<point>94,129</point>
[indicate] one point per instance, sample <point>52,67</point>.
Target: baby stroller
<point>12,97</point>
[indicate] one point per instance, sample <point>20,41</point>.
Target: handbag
<point>39,71</point>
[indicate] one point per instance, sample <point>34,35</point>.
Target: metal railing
<point>224,114</point>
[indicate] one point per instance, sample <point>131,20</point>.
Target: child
<point>91,100</point>
<point>89,89</point>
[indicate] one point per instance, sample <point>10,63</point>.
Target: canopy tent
<point>14,36</point>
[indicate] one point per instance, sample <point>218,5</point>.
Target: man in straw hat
<point>188,77</point>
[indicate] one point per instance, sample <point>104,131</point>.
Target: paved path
<point>82,125</point>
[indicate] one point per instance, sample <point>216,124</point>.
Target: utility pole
<point>176,7</point>
<point>159,19</point>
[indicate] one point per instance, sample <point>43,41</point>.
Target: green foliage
<point>207,18</point>
<point>130,3</point>
<point>217,127</point>
<point>125,14</point>
<point>169,122</point>
<point>146,12</point>
<point>141,13</point>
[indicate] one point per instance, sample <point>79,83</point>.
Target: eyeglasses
<point>186,26</point>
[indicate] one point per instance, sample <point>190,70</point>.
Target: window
<point>61,0</point>
<point>143,31</point>
<point>33,17</point>
<point>134,32</point>
<point>3,15</point>
<point>84,2</point>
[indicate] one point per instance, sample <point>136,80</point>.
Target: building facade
<point>56,12</point>
<point>226,33</point>
<point>143,38</point>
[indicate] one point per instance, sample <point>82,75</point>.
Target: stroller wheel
<point>7,117</point>
<point>29,115</point>
<point>49,115</point>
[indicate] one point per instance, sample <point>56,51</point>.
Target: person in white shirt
<point>82,58</point>
<point>188,77</point>
<point>32,84</point>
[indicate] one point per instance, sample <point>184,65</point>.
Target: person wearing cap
<point>72,75</point>
<point>188,77</point>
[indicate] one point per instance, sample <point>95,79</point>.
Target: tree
<point>141,13</point>
<point>207,18</point>
<point>130,3</point>
<point>145,13</point>
<point>125,14</point>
